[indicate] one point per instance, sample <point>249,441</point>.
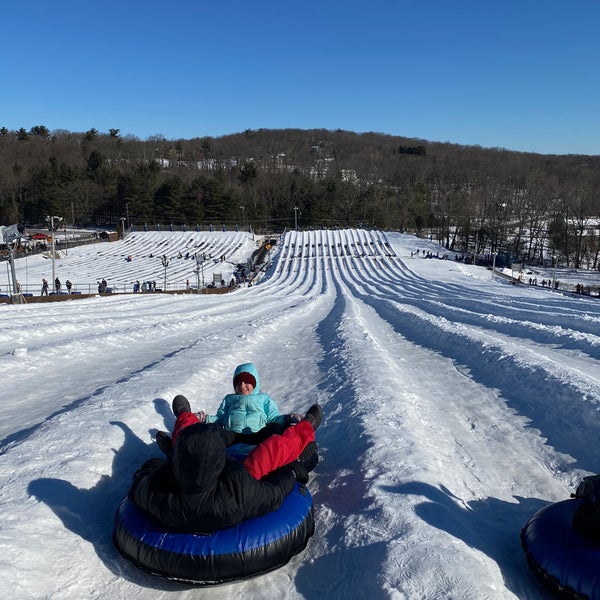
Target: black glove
<point>309,457</point>
<point>148,467</point>
<point>300,472</point>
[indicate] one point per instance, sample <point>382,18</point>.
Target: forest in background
<point>481,201</point>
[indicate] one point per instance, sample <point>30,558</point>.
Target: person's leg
<point>279,450</point>
<point>253,439</point>
<point>185,419</point>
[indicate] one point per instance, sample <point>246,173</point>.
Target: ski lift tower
<point>11,236</point>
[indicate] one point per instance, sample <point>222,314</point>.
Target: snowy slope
<point>138,257</point>
<point>455,407</point>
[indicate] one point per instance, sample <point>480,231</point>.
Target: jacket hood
<point>249,368</point>
<point>199,457</point>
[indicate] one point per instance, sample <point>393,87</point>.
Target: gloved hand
<point>294,418</point>
<point>300,472</point>
<point>148,467</point>
<point>201,416</point>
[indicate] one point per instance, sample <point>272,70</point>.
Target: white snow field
<point>139,257</point>
<point>455,407</point>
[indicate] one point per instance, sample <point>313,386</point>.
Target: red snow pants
<point>274,452</point>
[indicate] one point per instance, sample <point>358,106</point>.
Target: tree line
<point>517,206</point>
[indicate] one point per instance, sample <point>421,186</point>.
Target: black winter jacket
<point>201,489</point>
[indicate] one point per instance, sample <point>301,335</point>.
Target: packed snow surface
<point>456,406</point>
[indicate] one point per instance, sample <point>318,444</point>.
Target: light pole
<point>53,227</point>
<point>123,227</point>
<point>493,265</point>
<point>165,264</point>
<point>554,261</point>
<point>200,267</point>
<point>296,218</point>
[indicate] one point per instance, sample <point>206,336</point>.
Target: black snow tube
<point>253,547</point>
<point>567,561</point>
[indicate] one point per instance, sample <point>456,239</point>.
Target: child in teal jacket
<point>249,409</point>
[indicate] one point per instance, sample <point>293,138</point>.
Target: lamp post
<point>53,221</point>
<point>165,264</point>
<point>493,264</point>
<point>296,218</point>
<point>554,261</point>
<point>200,267</point>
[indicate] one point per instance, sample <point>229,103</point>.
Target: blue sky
<point>522,75</point>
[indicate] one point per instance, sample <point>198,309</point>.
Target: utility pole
<point>53,227</point>
<point>165,263</point>
<point>200,268</point>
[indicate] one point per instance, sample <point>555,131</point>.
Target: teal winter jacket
<point>247,414</point>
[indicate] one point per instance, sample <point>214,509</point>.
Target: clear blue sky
<point>517,74</point>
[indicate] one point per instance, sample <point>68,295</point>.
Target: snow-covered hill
<point>455,407</point>
<point>139,257</point>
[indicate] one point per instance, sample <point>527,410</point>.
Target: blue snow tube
<point>253,547</point>
<point>567,561</point>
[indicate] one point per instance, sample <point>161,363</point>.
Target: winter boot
<point>164,441</point>
<point>180,405</point>
<point>314,416</point>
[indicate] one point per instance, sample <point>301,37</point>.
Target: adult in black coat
<point>201,489</point>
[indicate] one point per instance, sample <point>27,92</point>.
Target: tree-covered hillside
<point>469,198</point>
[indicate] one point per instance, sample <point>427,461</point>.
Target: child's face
<point>243,388</point>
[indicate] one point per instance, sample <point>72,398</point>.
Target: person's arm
<point>272,412</point>
<point>269,493</point>
<point>221,415</point>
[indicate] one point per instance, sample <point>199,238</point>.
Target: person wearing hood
<point>201,489</point>
<point>248,409</point>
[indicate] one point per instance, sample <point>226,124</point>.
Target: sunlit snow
<point>455,407</point>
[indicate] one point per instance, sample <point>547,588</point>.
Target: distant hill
<point>466,197</point>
